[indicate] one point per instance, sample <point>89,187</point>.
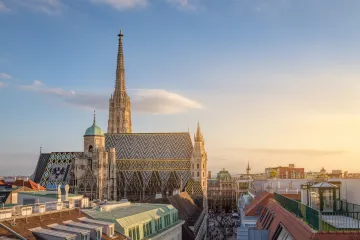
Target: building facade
<point>290,172</point>
<point>221,192</point>
<point>122,164</point>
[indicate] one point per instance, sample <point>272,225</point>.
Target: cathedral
<point>122,164</point>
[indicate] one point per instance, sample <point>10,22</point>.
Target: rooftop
<point>22,226</point>
<point>132,214</point>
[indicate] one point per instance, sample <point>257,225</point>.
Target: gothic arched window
<point>91,148</point>
<point>198,166</point>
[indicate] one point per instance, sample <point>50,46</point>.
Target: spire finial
<point>120,69</point>
<point>199,136</point>
<point>94,116</point>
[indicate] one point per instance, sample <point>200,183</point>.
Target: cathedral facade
<point>122,164</point>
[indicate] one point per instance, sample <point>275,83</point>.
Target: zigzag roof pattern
<point>150,145</point>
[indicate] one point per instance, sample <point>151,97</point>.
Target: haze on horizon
<point>270,83</point>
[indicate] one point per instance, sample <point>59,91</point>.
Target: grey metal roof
<point>150,145</point>
<point>82,225</point>
<point>53,233</point>
<point>68,229</point>
<point>95,222</point>
<point>324,185</point>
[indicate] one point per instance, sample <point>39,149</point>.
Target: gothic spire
<point>198,136</point>
<point>94,117</point>
<point>120,70</point>
<point>248,169</point>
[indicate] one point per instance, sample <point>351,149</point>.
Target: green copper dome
<point>94,130</point>
<point>224,175</point>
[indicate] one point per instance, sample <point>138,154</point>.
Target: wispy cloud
<point>122,4</point>
<point>2,84</point>
<point>3,7</point>
<point>38,86</point>
<point>159,101</point>
<point>308,152</point>
<point>154,101</point>
<point>183,4</point>
<point>5,76</point>
<point>49,7</point>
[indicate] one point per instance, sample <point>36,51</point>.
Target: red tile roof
<point>260,201</point>
<point>29,184</point>
<point>294,196</point>
<point>297,228</point>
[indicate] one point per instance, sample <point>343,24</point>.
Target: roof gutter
<point>12,232</point>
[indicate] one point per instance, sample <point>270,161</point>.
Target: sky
<point>271,82</point>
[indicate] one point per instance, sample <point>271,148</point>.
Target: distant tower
<point>248,169</point>
<point>199,163</point>
<point>119,102</point>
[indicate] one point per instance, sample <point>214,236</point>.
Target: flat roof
<point>81,225</point>
<point>53,233</point>
<point>68,229</point>
<point>131,214</point>
<point>88,220</point>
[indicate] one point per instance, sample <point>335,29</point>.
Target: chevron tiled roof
<point>150,145</point>
<point>41,165</point>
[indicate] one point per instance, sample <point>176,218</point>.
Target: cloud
<point>308,152</point>
<point>154,101</point>
<point>4,8</point>
<point>5,76</point>
<point>183,4</point>
<point>159,101</point>
<point>122,4</point>
<point>49,7</point>
<point>38,86</point>
<point>2,84</point>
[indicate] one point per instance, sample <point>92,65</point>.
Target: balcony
<point>345,218</point>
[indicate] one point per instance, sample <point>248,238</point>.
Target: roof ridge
<point>146,133</point>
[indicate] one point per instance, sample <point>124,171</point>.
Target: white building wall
<point>349,189</point>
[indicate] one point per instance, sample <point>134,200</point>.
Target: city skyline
<point>274,89</point>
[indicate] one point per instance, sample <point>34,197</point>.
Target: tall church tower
<point>199,163</point>
<point>119,102</point>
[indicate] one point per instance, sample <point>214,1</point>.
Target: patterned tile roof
<point>41,165</point>
<point>150,145</point>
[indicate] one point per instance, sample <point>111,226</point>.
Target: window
<point>271,220</point>
<point>134,233</point>
<point>203,165</point>
<point>263,214</point>
<point>203,174</point>
<point>198,174</point>
<point>192,166</point>
<point>158,224</point>
<point>198,166</point>
<point>281,233</point>
<point>193,174</point>
<point>167,220</point>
